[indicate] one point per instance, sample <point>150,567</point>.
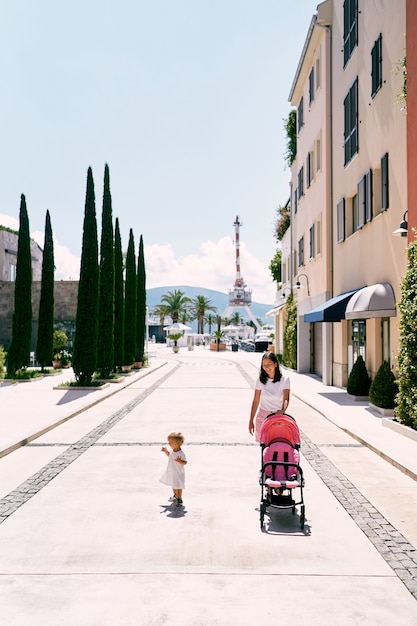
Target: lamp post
<point>283,296</point>
<point>402,231</point>
<point>298,284</point>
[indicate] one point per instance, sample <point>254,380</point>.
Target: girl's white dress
<point>174,475</point>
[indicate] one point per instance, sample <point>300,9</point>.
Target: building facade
<point>349,188</point>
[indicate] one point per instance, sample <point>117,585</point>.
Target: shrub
<point>358,382</point>
<point>406,410</point>
<point>289,357</point>
<point>383,388</point>
<point>59,340</point>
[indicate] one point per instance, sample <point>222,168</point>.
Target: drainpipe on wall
<point>328,378</point>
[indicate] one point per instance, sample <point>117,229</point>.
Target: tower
<point>239,297</point>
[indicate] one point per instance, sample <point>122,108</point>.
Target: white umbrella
<point>177,328</point>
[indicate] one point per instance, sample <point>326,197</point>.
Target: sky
<point>185,100</point>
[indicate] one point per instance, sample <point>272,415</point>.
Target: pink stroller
<point>280,473</point>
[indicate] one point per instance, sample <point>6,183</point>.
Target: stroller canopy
<point>280,428</point>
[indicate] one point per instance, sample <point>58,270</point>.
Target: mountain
<point>218,299</point>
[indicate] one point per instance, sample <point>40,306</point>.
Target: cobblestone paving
<point>19,496</point>
<point>390,543</point>
<point>400,555</point>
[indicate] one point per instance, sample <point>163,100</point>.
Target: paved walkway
<point>29,409</point>
<point>87,536</point>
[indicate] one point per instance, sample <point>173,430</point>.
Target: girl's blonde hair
<point>178,437</point>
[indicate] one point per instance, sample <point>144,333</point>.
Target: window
<point>311,87</point>
<point>355,213</point>
<point>318,155</point>
<point>341,222</point>
<point>376,64</point>
<point>351,123</point>
<point>301,183</point>
<point>300,114</point>
<point>295,202</point>
<point>365,197</point>
<point>318,68</point>
<point>361,200</point>
<point>369,212</point>
<point>386,351</point>
<point>350,28</point>
<point>309,169</point>
<point>301,252</point>
<point>358,339</point>
<point>318,237</point>
<point>312,242</point>
<point>384,183</point>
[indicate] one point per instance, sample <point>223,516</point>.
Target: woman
<point>272,393</point>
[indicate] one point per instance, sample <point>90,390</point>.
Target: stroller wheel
<point>262,514</point>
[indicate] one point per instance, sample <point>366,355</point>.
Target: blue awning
<point>331,311</point>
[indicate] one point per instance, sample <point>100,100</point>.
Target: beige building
<point>8,256</point>
<point>348,189</point>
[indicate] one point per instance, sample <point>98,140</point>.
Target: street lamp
<point>402,231</point>
<point>283,296</point>
<point>298,284</point>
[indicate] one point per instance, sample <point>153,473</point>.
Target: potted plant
<point>218,335</point>
<point>358,382</point>
<point>61,359</point>
<point>383,390</point>
<point>65,358</point>
<point>174,337</point>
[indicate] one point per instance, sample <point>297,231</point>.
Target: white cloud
<point>67,264</point>
<point>10,222</point>
<point>213,267</point>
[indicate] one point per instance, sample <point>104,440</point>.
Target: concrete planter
<point>213,346</point>
<point>381,410</point>
<point>402,429</point>
<point>358,398</point>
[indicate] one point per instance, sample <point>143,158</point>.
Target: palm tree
<point>160,311</point>
<point>210,320</point>
<point>200,305</point>
<point>235,319</point>
<point>176,303</point>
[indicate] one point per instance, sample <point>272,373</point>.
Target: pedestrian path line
<point>24,492</point>
<point>398,553</point>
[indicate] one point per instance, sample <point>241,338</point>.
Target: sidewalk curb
<point>22,442</point>
<point>362,441</point>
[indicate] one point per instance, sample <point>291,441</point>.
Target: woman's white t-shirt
<point>271,393</point>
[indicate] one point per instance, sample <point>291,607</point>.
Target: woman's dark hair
<point>263,376</point>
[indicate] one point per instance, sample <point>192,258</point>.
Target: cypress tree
<point>86,321</point>
<point>130,303</point>
<point>106,298</point>
<point>118,299</point>
<point>18,355</point>
<point>45,341</point>
<point>141,304</point>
